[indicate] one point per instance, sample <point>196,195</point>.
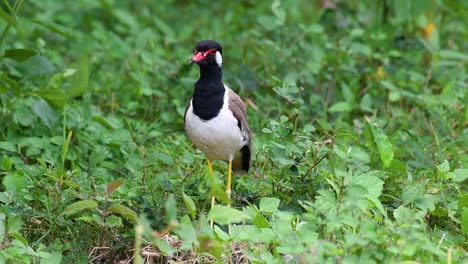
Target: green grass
<point>359,114</point>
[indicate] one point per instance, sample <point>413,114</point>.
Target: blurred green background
<point>358,110</point>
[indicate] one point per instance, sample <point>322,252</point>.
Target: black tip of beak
<point>190,61</point>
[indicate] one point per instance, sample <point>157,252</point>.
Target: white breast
<point>219,138</point>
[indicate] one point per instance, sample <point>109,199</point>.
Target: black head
<point>208,52</point>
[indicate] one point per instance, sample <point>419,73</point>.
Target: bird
<point>215,119</point>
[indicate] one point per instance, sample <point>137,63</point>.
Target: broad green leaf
<point>53,96</point>
<point>50,258</point>
<point>220,234</point>
<point>460,175</point>
<point>42,109</point>
<point>340,107</point>
<point>164,247</point>
<point>79,80</point>
<point>190,205</point>
<point>6,164</point>
<point>113,186</point>
<point>113,221</point>
<point>356,191</point>
<point>207,244</point>
<point>80,206</point>
<point>124,211</point>
<point>463,201</point>
<point>97,218</point>
<point>12,182</point>
<point>371,181</point>
<point>219,193</point>
<point>383,144</point>
<point>171,209</point>
<point>412,192</point>
<point>398,167</point>
<point>37,66</point>
<point>443,170</point>
<point>24,116</point>
<point>464,221</point>
<point>103,121</point>
<point>269,204</point>
<point>403,215</point>
<point>260,221</point>
<point>166,159</point>
<point>224,215</point>
<point>426,202</point>
<point>8,146</point>
<point>19,54</point>
<point>186,231</point>
<point>444,167</point>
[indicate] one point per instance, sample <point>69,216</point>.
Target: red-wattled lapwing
<point>215,118</point>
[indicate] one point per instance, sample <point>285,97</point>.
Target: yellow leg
<point>228,189</point>
<point>210,169</point>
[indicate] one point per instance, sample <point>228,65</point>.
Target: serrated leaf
<point>412,192</point>
<point>113,186</point>
<point>269,204</point>
<point>124,211</point>
<point>383,145</point>
<point>19,54</point>
<point>80,206</point>
<point>190,205</point>
<point>224,215</point>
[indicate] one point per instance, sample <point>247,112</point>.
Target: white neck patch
<point>219,59</point>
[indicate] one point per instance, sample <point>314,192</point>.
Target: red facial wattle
<point>199,56</point>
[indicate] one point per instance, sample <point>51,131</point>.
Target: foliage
<point>358,109</point>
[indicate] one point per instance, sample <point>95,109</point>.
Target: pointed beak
<point>199,56</point>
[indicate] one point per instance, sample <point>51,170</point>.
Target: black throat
<point>208,96</point>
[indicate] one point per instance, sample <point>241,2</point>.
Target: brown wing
<point>237,106</point>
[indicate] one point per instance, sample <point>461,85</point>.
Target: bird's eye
<point>210,52</point>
